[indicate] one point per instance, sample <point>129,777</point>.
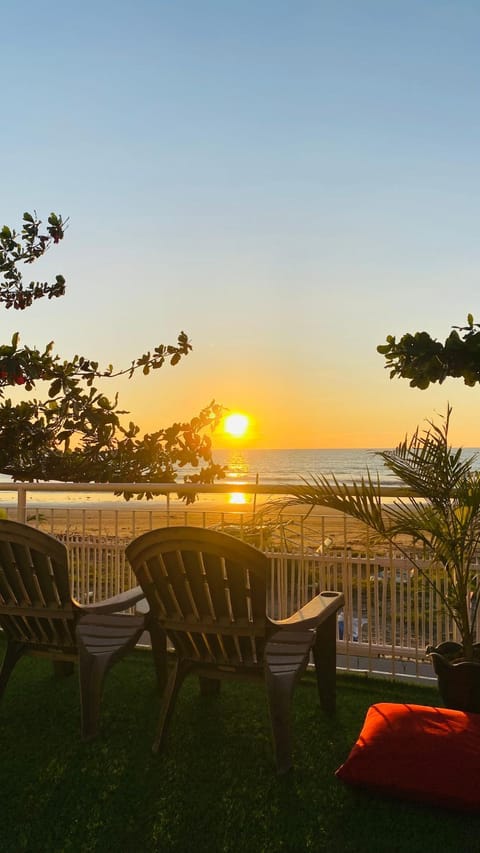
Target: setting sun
<point>236,425</point>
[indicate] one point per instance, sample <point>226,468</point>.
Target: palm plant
<point>440,510</point>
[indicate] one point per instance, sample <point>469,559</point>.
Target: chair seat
<point>107,633</point>
<point>288,652</point>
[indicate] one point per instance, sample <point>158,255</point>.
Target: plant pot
<point>458,679</point>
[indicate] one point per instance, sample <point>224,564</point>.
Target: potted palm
<point>440,511</point>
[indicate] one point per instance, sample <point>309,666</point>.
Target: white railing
<point>391,612</point>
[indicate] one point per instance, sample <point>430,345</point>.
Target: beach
<point>269,521</point>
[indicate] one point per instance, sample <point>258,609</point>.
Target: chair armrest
<point>312,614</point>
<point>123,601</point>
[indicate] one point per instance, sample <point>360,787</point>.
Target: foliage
<point>265,529</point>
<point>26,249</point>
<point>441,512</point>
<point>422,359</point>
<point>74,432</point>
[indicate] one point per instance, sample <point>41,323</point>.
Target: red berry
<point>20,380</point>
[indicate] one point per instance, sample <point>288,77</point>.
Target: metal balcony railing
<point>391,612</point>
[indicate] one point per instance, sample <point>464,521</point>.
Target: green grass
<point>214,788</point>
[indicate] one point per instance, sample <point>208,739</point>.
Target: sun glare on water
<point>238,498</point>
<point>236,425</point>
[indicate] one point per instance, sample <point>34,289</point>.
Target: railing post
<point>21,504</point>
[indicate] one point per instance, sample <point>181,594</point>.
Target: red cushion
<point>428,754</point>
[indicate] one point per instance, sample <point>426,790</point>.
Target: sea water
<point>292,466</point>
<point>246,465</point>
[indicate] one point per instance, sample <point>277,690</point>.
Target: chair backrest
<point>35,602</point>
<point>207,590</point>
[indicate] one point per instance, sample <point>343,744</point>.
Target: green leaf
<point>55,388</point>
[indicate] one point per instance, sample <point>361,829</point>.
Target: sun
<point>236,424</point>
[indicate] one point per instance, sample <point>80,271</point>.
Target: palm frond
<point>441,510</point>
<point>428,464</point>
<point>361,500</point>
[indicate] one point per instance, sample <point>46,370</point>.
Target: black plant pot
<point>458,679</point>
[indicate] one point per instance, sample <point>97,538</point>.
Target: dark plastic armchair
<point>207,594</point>
<point>39,617</point>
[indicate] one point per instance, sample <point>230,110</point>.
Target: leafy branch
<point>25,366</point>
<point>424,360</point>
<point>27,248</point>
<point>75,433</point>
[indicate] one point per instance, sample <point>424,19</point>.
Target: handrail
<point>168,488</point>
<point>287,489</point>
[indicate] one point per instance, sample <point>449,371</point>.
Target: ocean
<point>291,466</point>
<point>266,466</point>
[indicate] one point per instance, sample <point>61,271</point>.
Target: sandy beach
<point>267,522</point>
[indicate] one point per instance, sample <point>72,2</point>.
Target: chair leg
<point>92,670</point>
<point>159,651</point>
<point>279,694</point>
<point>209,686</point>
<point>62,668</point>
<point>102,639</point>
<point>13,653</point>
<point>325,658</point>
<point>176,678</point>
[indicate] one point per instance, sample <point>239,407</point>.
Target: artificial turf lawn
<point>214,788</point>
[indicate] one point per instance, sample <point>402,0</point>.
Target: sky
<point>288,182</point>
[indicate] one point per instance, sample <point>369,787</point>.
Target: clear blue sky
<point>288,182</point>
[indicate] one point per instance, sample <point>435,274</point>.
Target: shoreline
<point>265,523</point>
